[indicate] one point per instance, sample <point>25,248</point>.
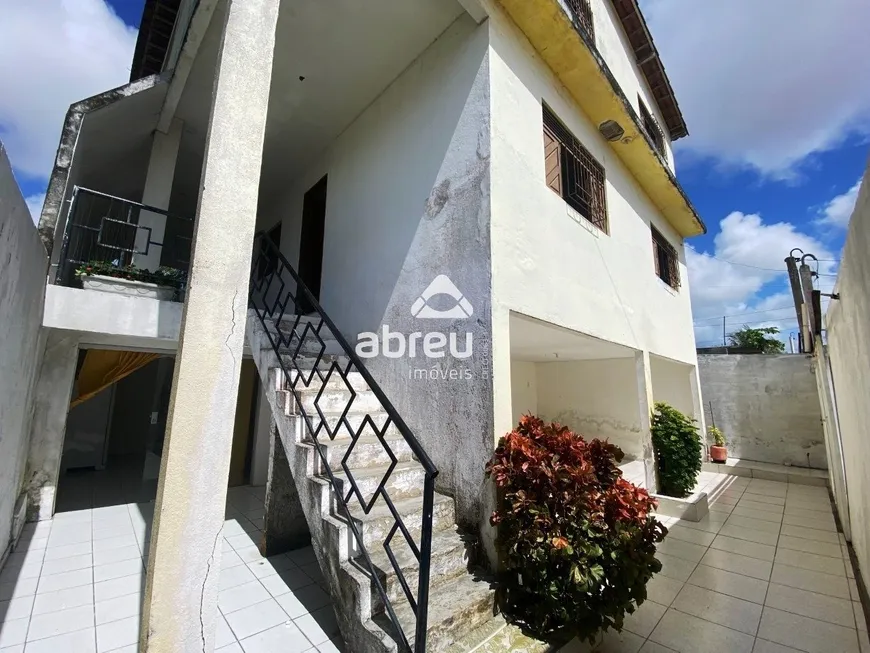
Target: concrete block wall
<point>767,406</point>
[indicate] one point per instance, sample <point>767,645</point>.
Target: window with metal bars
<point>652,129</point>
<point>573,173</point>
<point>582,11</point>
<point>666,260</point>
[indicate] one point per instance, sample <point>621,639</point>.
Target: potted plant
<point>718,451</point>
<point>109,276</point>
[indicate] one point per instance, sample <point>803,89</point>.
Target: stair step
<point>311,347</point>
<point>334,381</point>
<point>377,524</point>
<point>449,559</point>
<point>454,609</point>
<point>367,452</point>
<point>335,402</point>
<point>354,419</point>
<point>405,481</point>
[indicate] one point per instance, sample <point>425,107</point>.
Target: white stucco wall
<point>848,324</point>
<point>524,389</point>
<point>23,268</point>
<point>550,264</point>
<point>595,398</point>
<point>407,200</point>
<point>671,384</point>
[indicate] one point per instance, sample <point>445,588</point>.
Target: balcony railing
<point>113,232</point>
<point>582,11</point>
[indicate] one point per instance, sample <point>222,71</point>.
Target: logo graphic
<point>441,285</point>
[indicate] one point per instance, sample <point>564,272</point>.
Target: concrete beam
<point>475,9</point>
<point>645,404</point>
<point>158,190</point>
<point>181,592</point>
<point>193,39</point>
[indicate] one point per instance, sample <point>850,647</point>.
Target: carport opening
<point>585,383</point>
<point>116,426</point>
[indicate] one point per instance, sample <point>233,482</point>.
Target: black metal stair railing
<point>276,292</point>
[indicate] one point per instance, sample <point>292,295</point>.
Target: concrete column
<point>50,408</point>
<point>158,190</point>
<point>181,591</point>
<point>285,527</point>
<point>263,425</point>
<point>645,405</point>
<point>698,408</point>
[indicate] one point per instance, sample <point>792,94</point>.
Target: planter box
<point>692,508</point>
<point>128,287</point>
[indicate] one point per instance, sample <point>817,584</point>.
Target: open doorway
<point>311,244</point>
<point>116,427</point>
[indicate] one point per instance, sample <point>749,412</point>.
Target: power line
<point>745,265</point>
<point>719,317</point>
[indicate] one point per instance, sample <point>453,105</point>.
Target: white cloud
<point>838,211</point>
<point>34,203</point>
<point>766,84</point>
<point>54,53</point>
<point>744,276</point>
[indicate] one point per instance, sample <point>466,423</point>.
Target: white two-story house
<point>392,228</point>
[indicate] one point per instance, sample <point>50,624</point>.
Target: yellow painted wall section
<point>580,69</point>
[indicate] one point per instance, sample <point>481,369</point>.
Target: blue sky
<point>777,103</point>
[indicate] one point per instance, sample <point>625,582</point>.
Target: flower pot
<point>718,454</point>
<point>127,287</point>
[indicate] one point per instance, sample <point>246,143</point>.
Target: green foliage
<point>162,276</point>
<point>758,339</point>
<point>677,449</point>
<point>576,540</point>
<point>717,435</point>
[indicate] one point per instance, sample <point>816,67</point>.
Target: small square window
<point>573,173</point>
<point>666,260</point>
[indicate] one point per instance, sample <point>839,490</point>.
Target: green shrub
<point>576,540</point>
<point>162,276</point>
<point>677,449</point>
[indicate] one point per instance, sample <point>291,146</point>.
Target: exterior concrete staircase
<point>458,603</point>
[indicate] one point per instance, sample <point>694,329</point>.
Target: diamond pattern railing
<point>298,342</point>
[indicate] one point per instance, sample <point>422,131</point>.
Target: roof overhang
<point>647,57</point>
<point>155,34</point>
<point>577,63</point>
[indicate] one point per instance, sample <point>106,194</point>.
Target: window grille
<point>573,173</point>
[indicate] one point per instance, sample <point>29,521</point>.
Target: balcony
<point>121,246</point>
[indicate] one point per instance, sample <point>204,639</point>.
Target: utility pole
<point>797,294</point>
<point>724,342</point>
<point>809,329</point>
<point>790,343</point>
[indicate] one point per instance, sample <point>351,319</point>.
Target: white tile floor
<point>74,584</point>
<point>764,572</point>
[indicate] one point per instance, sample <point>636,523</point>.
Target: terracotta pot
<point>718,454</point>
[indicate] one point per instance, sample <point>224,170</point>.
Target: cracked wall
<point>407,201</point>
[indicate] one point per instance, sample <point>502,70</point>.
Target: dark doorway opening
<point>311,244</point>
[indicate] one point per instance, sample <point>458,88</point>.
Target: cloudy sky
<point>777,101</point>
